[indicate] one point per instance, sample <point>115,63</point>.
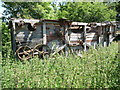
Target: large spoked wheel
<point>41,51</point>
<point>24,52</point>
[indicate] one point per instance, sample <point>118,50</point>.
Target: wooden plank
<point>79,23</point>
<point>50,38</point>
<point>75,27</point>
<point>85,44</point>
<point>92,36</point>
<point>13,38</point>
<point>91,40</point>
<point>44,34</point>
<point>88,34</point>
<point>75,41</point>
<point>74,37</point>
<point>66,34</point>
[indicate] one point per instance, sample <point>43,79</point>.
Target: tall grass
<point>98,68</point>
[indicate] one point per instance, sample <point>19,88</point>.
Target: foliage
<point>0,35</point>
<point>36,10</point>
<point>98,68</point>
<point>87,12</point>
<point>76,11</point>
<point>6,41</point>
<point>118,10</point>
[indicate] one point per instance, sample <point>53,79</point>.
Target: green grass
<point>98,68</point>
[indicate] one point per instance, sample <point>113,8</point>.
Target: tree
<point>36,10</point>
<point>118,10</point>
<point>6,38</point>
<point>76,11</point>
<point>86,12</point>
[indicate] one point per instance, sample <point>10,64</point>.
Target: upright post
<point>110,35</point>
<point>66,34</point>
<point>99,37</point>
<point>85,44</point>
<point>44,34</point>
<point>13,37</point>
<point>66,39</point>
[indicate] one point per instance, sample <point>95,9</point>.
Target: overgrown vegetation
<point>6,41</point>
<point>76,11</point>
<point>98,68</point>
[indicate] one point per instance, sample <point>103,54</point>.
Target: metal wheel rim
<point>24,52</point>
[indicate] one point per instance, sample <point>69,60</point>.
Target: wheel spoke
<point>21,53</point>
<point>28,51</point>
<point>24,52</point>
<point>45,52</point>
<point>41,50</point>
<point>37,50</point>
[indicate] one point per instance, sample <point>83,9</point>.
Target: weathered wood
<point>13,38</point>
<point>57,33</point>
<point>85,43</point>
<point>44,34</point>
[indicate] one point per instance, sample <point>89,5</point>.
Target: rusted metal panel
<point>55,35</point>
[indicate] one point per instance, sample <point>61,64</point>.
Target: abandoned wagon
<point>31,37</point>
<point>108,33</point>
<point>105,32</point>
<point>77,36</point>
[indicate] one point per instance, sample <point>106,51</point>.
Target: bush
<point>6,41</point>
<point>98,68</point>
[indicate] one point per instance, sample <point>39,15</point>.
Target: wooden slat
<point>50,38</point>
<point>76,27</point>
<point>49,24</point>
<point>91,40</point>
<point>87,34</point>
